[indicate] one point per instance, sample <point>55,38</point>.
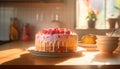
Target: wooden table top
<point>15,53</point>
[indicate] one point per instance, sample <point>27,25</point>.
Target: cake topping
<point>56,31</point>
<point>68,31</point>
<point>44,31</point>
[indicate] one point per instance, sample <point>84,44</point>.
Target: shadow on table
<point>4,42</point>
<point>29,59</point>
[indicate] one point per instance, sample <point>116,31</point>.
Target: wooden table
<point>15,53</point>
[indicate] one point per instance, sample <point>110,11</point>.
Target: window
<point>96,13</point>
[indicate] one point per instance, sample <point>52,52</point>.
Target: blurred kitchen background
<point>37,14</point>
<point>40,14</point>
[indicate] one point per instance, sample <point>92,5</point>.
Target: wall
<point>40,16</point>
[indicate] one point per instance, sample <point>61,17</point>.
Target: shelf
<point>29,4</point>
<point>45,1</point>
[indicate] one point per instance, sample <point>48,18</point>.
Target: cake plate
<point>33,51</point>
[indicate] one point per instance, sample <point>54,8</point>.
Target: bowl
<point>107,44</point>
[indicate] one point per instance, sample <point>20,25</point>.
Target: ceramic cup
<point>107,44</point>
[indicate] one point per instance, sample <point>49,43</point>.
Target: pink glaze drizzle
<point>51,39</point>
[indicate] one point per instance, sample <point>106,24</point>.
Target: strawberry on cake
<point>56,40</point>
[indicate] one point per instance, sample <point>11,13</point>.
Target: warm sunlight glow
<point>87,60</point>
<point>9,54</point>
<point>103,9</point>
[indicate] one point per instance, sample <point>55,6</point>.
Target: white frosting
<point>51,39</point>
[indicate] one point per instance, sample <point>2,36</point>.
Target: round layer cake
<point>56,40</point>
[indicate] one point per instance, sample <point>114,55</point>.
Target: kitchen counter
<point>15,53</point>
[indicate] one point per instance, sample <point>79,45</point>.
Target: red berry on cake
<point>62,30</point>
<point>51,31</point>
<point>44,31</point>
<point>56,30</point>
<point>68,31</point>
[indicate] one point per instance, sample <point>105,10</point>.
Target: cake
<point>56,40</point>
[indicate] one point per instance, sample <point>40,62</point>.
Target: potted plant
<point>112,21</point>
<point>91,19</point>
<point>118,8</point>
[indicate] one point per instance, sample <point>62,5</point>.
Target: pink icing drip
<point>48,38</point>
<point>51,38</point>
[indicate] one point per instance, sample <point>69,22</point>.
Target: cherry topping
<point>56,31</point>
<point>44,31</point>
<point>68,31</point>
<point>50,31</point>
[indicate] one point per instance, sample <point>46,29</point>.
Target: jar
<point>26,33</point>
<point>14,29</point>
